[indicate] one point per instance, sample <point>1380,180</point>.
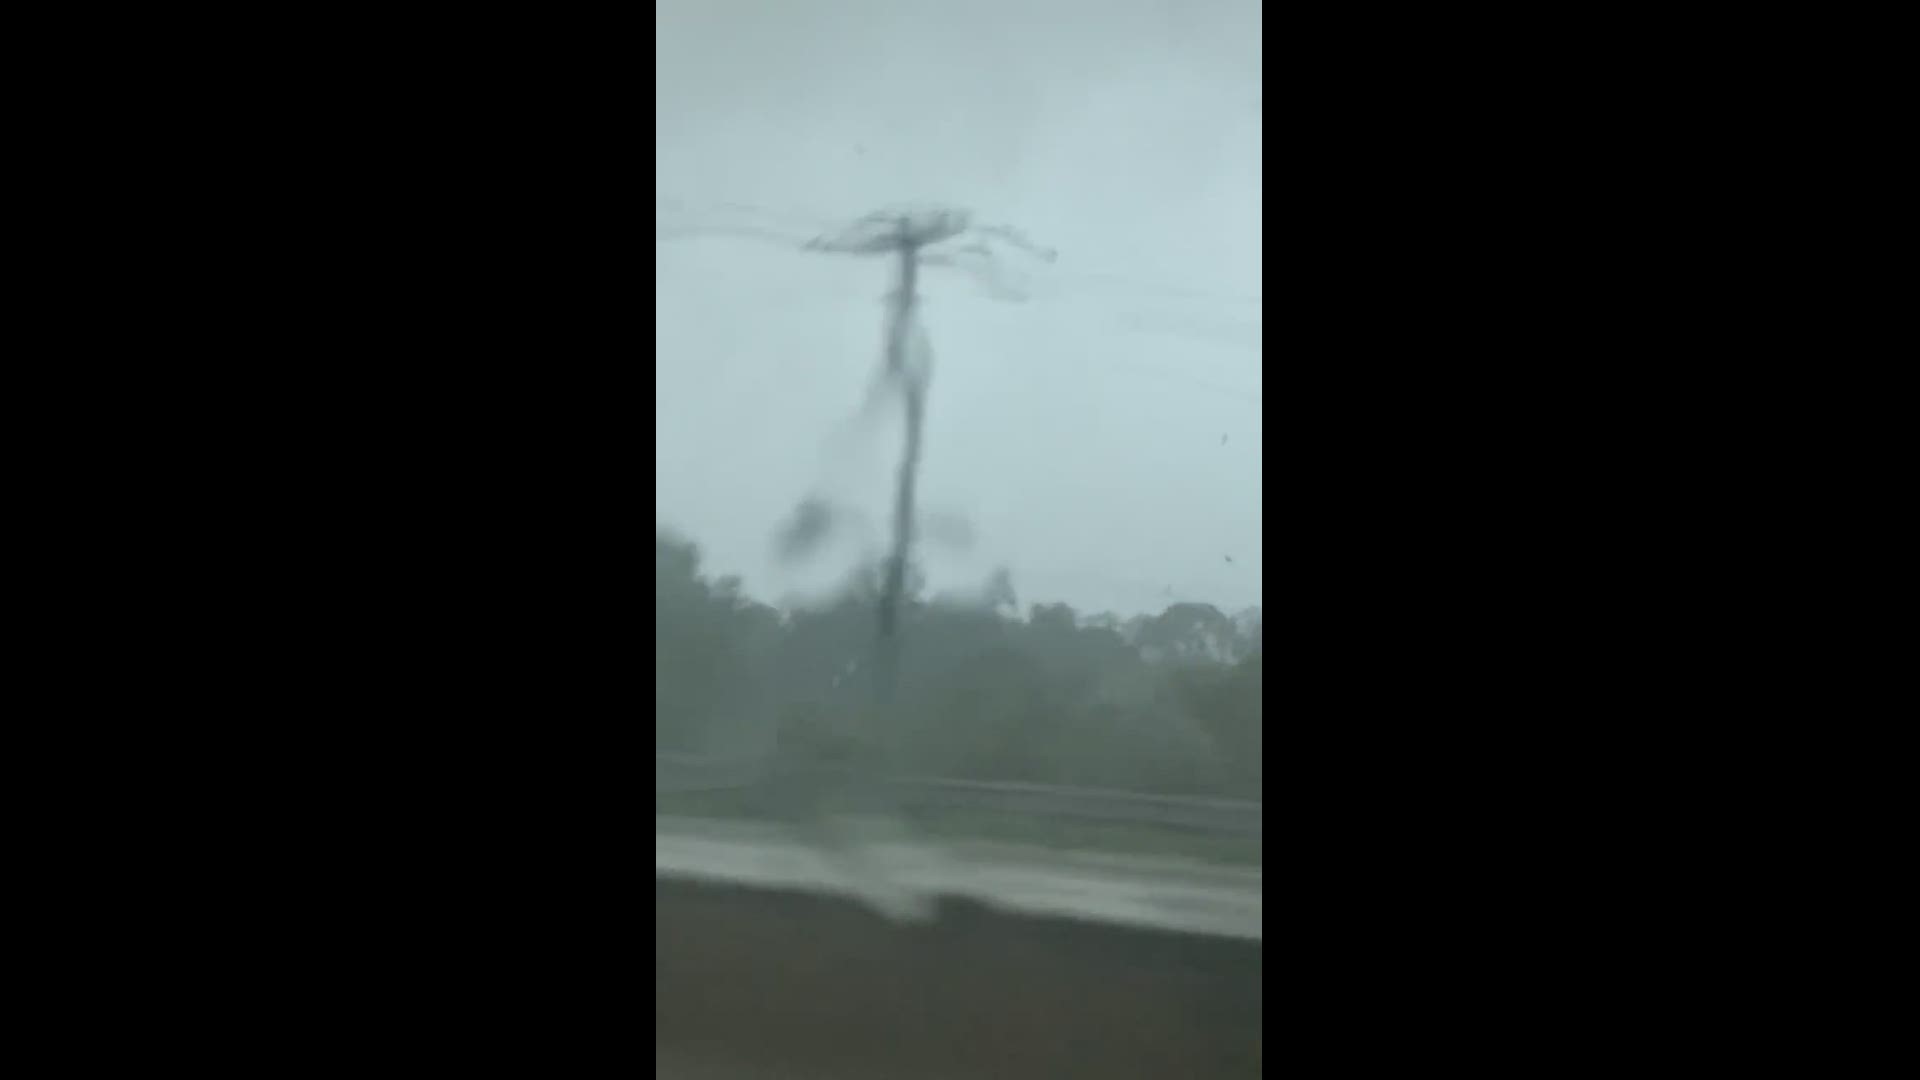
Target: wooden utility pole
<point>912,382</point>
<point>908,235</point>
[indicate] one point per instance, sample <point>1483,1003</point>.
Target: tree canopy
<point>1166,703</point>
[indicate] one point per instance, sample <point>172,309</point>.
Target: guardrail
<point>1239,816</point>
<point>681,773</point>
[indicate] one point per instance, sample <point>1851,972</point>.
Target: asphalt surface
<point>898,875</point>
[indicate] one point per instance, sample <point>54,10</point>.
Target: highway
<point>902,876</point>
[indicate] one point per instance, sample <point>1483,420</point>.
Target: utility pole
<point>904,234</point>
<point>907,234</point>
<point>913,237</point>
<point>913,387</point>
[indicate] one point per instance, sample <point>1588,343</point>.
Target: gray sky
<point>1080,432</point>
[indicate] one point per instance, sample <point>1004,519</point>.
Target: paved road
<point>900,877</point>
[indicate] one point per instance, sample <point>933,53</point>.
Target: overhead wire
<point>1109,281</point>
<point>796,228</point>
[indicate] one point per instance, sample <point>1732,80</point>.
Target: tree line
<point>1167,703</point>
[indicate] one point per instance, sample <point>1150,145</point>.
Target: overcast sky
<point>1102,438</point>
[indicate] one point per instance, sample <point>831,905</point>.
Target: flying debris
<point>816,523</point>
<point>813,521</point>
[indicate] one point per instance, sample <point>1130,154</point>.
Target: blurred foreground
<point>772,960</point>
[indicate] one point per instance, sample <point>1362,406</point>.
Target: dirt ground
<point>755,982</point>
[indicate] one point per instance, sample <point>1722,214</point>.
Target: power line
<point>750,232</point>
<point>909,232</point>
<point>790,226</point>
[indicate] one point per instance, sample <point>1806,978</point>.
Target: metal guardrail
<point>1237,816</point>
<point>682,773</point>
